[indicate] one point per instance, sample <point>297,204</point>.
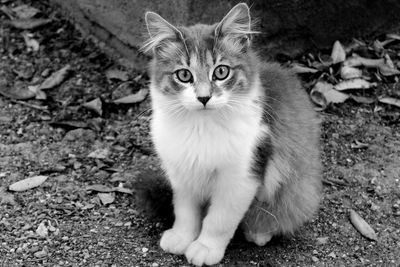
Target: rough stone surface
<point>288,26</point>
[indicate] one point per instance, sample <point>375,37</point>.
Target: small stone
<point>332,255</point>
<point>322,240</point>
<point>144,250</point>
<point>119,224</point>
<point>40,254</point>
<point>154,265</point>
<point>128,224</point>
<point>314,259</point>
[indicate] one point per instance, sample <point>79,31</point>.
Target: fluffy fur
<point>249,155</point>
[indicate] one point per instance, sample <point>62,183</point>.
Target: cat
<point>237,137</point>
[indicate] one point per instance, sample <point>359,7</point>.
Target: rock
<point>40,254</point>
<point>322,240</point>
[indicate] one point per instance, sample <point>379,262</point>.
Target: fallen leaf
<point>355,44</point>
<point>25,11</point>
<point>386,70</point>
<point>390,100</point>
<point>106,198</point>
<point>101,153</point>
<point>42,230</point>
<point>17,92</point>
<point>366,62</point>
<point>362,226</point>
<point>358,144</point>
<point>393,36</point>
<point>299,68</point>
<point>338,54</point>
<point>31,43</point>
<point>106,189</point>
<point>56,78</point>
<point>357,83</point>
<point>134,98</point>
<point>99,188</point>
<point>362,99</point>
<point>28,183</point>
<point>378,46</point>
<point>347,72</point>
<point>117,74</point>
<point>69,125</point>
<point>39,94</point>
<point>95,105</point>
<point>323,94</point>
<point>28,24</point>
<point>123,190</point>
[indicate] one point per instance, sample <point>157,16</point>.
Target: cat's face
<point>202,67</point>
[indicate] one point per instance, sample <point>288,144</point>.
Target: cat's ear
<point>236,26</point>
<point>159,30</point>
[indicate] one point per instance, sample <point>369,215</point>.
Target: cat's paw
<point>260,239</point>
<point>174,242</point>
<point>199,254</point>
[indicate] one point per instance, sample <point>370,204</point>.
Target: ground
<point>63,222</point>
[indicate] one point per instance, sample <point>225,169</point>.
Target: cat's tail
<point>154,196</point>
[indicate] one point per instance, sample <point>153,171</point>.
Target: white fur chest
<point>195,146</point>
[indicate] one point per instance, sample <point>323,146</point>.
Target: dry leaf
<point>386,70</point>
<point>107,189</point>
<point>393,36</point>
<point>117,74</point>
<point>95,105</point>
<point>323,94</point>
<point>31,44</point>
<point>28,24</point>
<point>42,230</point>
<point>39,94</point>
<point>358,144</point>
<point>366,62</point>
<point>357,83</point>
<point>362,99</point>
<point>56,78</point>
<point>134,98</point>
<point>101,153</point>
<point>362,226</point>
<point>28,183</point>
<point>338,54</point>
<point>99,188</point>
<point>123,190</point>
<point>390,100</point>
<point>25,11</point>
<point>106,198</point>
<point>299,68</point>
<point>347,72</point>
<point>16,93</point>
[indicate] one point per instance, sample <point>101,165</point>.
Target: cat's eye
<point>184,75</point>
<point>221,72</point>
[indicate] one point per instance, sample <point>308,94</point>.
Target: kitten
<point>237,137</point>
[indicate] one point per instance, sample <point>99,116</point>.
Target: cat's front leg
<point>232,195</point>
<point>187,223</point>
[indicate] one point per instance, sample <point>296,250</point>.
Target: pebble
<point>154,265</point>
<point>144,250</point>
<point>322,240</point>
<point>314,259</point>
<point>40,254</point>
<point>332,255</point>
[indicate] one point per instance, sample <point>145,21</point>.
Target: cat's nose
<point>203,99</point>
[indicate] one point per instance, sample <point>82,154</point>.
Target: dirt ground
<point>62,223</point>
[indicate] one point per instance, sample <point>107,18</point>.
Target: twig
<point>44,108</point>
